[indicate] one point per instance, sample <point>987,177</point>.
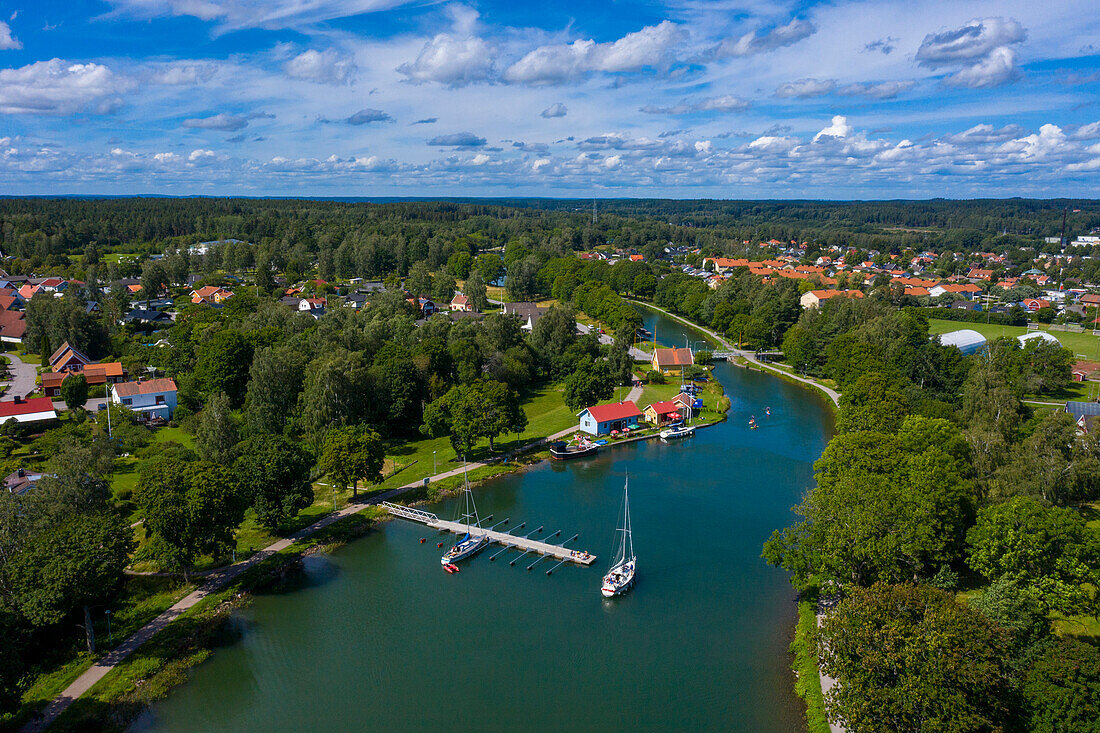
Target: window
<point>160,399</point>
<point>127,401</point>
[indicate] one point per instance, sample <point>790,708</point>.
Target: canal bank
<point>700,642</point>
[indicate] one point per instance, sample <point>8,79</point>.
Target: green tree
<point>885,508</point>
<point>502,412</point>
<point>645,285</point>
<point>909,658</point>
<point>274,383</point>
<point>469,412</point>
<point>71,565</point>
<point>274,472</point>
<point>223,364</point>
<point>350,455</point>
<point>591,382</point>
<point>1048,549</point>
<point>476,292</point>
<point>154,279</point>
<point>334,392</point>
<point>872,402</point>
<point>190,507</point>
<point>216,434</point>
<point>1061,688</point>
<point>74,390</point>
<point>459,264</point>
<point>419,281</point>
<point>490,267</point>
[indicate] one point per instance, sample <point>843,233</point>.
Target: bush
<point>703,357</point>
<point>655,377</point>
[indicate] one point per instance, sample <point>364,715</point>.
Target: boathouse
<point>602,419</point>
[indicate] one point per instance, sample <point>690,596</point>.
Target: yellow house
<point>671,361</point>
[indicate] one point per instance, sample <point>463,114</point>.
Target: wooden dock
<point>558,552</point>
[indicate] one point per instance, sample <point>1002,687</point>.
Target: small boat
<point>601,442</point>
<point>767,410</point>
<point>474,541</point>
<point>620,576</point>
<point>451,568</point>
<point>678,431</point>
<point>562,451</point>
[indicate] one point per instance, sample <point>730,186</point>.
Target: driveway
<point>22,375</point>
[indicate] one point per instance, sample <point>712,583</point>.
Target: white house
<point>152,398</point>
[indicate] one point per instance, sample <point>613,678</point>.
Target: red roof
<point>614,411</point>
<point>663,408</point>
<point>25,407</point>
<point>153,386</point>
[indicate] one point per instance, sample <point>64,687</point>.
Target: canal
<point>378,637</point>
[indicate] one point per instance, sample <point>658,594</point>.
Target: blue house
<point>602,419</point>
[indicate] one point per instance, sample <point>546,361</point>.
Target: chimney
<point>18,400</point>
<point>21,473</point>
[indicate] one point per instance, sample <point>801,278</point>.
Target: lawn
<point>1084,345</point>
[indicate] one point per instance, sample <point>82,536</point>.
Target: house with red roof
<point>13,325</point>
<point>668,361</point>
<point>661,413</point>
<point>460,303</point>
<point>151,398</point>
<point>602,419</point>
<point>35,409</point>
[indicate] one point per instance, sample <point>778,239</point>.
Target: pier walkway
<point>501,538</point>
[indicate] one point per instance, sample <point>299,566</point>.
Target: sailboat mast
<point>626,525</point>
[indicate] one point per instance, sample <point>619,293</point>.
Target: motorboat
<point>678,431</point>
<point>562,451</point>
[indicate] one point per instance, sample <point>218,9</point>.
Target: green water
<point>380,638</point>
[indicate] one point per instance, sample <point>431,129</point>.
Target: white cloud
<point>200,156</point>
<point>649,48</point>
<point>1090,131</point>
<point>998,68</point>
<point>223,121</point>
<point>1050,140</point>
<point>451,61</point>
<point>980,51</point>
<point>804,88</point>
<point>322,67</point>
<point>838,129</point>
<point>57,87</point>
<point>753,43</point>
<point>7,41</point>
<point>725,103</point>
<point>876,90</point>
<point>555,110</point>
<point>975,40</point>
<point>479,159</point>
<point>613,161</point>
<point>184,74</point>
<point>271,14</point>
<point>458,140</point>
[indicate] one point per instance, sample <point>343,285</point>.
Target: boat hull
<point>467,549</point>
<point>675,434</point>
<point>568,454</point>
<point>618,580</point>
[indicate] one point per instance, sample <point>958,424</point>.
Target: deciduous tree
<point>274,472</point>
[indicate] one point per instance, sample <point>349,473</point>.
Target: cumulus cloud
<point>1090,131</point>
<point>980,52</point>
<point>458,140</point>
<point>804,88</point>
<point>57,87</point>
<point>322,67</point>
<point>993,71</point>
<point>452,61</point>
<point>7,41</point>
<point>725,103</point>
<point>754,42</point>
<point>838,129</point>
<point>555,110</point>
<point>224,121</point>
<point>648,48</point>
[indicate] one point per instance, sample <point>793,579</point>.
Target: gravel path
<point>21,381</point>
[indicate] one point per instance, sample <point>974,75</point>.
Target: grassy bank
<point>149,673</point>
<point>808,685</point>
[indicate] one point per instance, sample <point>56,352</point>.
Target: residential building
<point>814,298</point>
<point>671,361</point>
<point>661,413</point>
<point>21,481</point>
<point>32,410</point>
<point>528,313</point>
<point>151,398</point>
<point>13,325</point>
<point>68,359</point>
<point>142,317</point>
<point>602,419</point>
<point>1085,414</point>
<point>210,294</point>
<point>460,303</point>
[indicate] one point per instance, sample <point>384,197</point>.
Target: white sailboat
<point>620,576</point>
<point>473,541</point>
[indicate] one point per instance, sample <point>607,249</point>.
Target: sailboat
<point>473,541</point>
<point>623,563</point>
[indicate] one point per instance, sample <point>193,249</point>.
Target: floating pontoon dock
<point>525,544</point>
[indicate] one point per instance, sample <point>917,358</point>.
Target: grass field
<point>1084,345</point>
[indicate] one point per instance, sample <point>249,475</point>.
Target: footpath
<point>217,580</point>
<point>745,354</point>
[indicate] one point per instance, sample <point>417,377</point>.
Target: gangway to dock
<point>524,544</point>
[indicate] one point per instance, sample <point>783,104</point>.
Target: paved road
<point>21,381</point>
<point>92,405</point>
<point>750,356</point>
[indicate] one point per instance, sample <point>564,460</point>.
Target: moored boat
<point>562,451</point>
<point>678,431</point>
<point>473,542</point>
<point>620,577</point>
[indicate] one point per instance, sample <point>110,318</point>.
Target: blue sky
<point>681,98</point>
